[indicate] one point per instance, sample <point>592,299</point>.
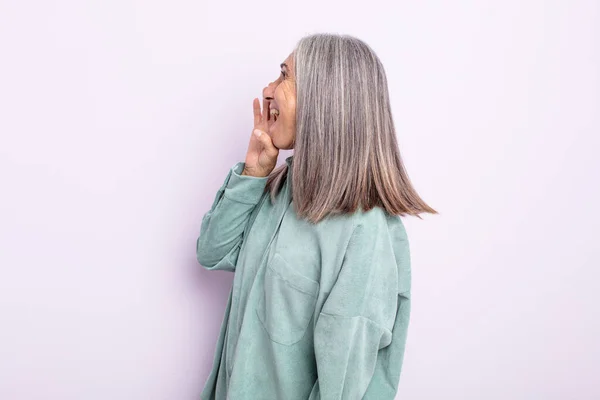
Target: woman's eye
<point>282,75</point>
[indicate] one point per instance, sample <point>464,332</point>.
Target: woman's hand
<point>261,157</point>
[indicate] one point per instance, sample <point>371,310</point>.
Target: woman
<point>320,303</point>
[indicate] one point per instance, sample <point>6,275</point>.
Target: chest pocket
<point>287,303</point>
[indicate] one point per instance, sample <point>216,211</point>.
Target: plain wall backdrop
<point>120,119</point>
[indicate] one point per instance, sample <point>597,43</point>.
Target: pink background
<point>120,119</point>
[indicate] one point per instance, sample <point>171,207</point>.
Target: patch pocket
<point>287,303</point>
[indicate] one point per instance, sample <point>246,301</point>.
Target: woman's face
<point>281,95</point>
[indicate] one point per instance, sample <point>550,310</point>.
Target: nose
<point>269,91</point>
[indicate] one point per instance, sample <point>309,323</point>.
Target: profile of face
<point>281,98</point>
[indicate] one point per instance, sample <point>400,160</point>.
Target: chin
<point>281,144</point>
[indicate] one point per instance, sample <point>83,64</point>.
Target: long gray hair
<point>346,153</point>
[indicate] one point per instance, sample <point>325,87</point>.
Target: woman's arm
<point>361,330</point>
<point>221,232</point>
<point>223,226</point>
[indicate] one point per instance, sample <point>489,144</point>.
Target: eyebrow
<point>283,65</point>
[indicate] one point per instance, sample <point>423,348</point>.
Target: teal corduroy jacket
<point>316,311</point>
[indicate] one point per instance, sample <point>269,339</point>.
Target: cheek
<point>292,107</point>
<point>290,115</point>
<point>286,99</point>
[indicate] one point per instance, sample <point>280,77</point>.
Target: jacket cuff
<point>244,188</point>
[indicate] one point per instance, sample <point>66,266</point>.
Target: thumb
<point>265,139</point>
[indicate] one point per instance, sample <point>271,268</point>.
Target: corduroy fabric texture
<point>316,311</point>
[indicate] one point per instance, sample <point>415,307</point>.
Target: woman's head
<point>346,152</point>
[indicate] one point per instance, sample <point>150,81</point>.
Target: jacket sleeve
<point>222,227</point>
<point>361,329</point>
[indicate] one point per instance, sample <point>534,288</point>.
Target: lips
<point>274,114</point>
<point>273,110</point>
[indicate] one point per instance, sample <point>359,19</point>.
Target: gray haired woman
<point>320,303</point>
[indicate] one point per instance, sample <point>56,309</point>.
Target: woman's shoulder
<point>372,230</point>
<point>377,219</point>
<point>371,222</point>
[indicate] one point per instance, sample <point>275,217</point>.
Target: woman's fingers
<point>267,143</point>
<point>257,113</point>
